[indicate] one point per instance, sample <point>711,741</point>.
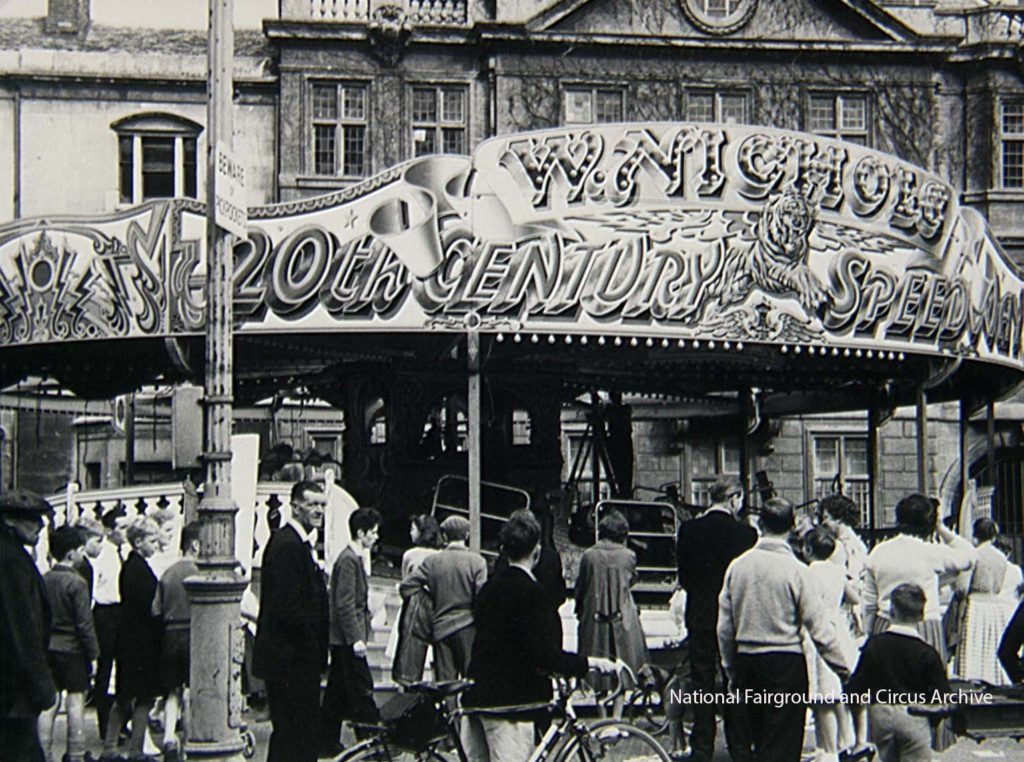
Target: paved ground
<point>964,751</point>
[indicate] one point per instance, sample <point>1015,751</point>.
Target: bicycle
<point>567,738</point>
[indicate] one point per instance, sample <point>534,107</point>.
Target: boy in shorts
<point>73,645</point>
<point>171,605</point>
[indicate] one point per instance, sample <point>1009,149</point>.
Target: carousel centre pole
<point>214,719</point>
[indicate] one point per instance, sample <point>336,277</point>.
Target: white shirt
<point>908,559</point>
<point>106,568</point>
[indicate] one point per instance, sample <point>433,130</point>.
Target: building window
<point>439,119</point>
<point>1011,128</point>
<point>711,459</point>
<point>592,105</point>
<point>839,116</point>
<point>522,427</point>
<point>840,464</point>
<point>578,464</point>
<point>326,445</point>
<point>156,156</point>
<point>711,106</point>
<point>721,8</point>
<point>339,129</point>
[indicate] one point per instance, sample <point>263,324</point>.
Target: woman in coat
<point>609,622</point>
<point>411,637</point>
<point>138,641</point>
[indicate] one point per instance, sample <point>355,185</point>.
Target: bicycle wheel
<point>614,740</point>
<point>646,710</point>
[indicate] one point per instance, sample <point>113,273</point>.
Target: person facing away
<point>73,645</point>
<point>26,683</point>
<point>841,515</point>
<point>290,649</point>
<point>349,692</point>
<point>898,668</point>
<point>453,578</point>
<point>516,650</point>
<point>909,558</point>
<point>172,607</point>
<point>705,546</point>
<point>833,725</point>
<point>138,641</point>
<point>609,623</point>
<point>988,610</point>
<point>411,636</point>
<point>766,602</point>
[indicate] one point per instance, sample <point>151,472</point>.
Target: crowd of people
<point>809,612</point>
<point>775,607</point>
<point>111,608</point>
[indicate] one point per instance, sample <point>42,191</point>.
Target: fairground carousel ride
<point>748,272</point>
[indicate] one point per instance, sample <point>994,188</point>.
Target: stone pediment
<point>771,20</point>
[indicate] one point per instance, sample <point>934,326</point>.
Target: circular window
<point>718,16</point>
<point>41,274</point>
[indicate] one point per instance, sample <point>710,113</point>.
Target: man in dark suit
<point>705,546</point>
<point>350,685</point>
<point>516,649</point>
<point>26,684</point>
<point>290,650</point>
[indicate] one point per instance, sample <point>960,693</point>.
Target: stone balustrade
<point>423,12</point>
<point>149,498</point>
<point>995,25</point>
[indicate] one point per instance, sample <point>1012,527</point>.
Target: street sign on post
<point>230,208</point>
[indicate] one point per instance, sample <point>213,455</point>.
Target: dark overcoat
<point>26,685</point>
<point>138,633</point>
<point>291,629</point>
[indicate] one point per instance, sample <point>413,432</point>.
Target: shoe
<point>171,752</point>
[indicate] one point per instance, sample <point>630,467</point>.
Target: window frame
<point>838,132</point>
<point>438,125</point>
<point>594,89</point>
<point>861,496</point>
<point>1004,138</point>
<point>134,131</point>
<point>696,487</point>
<point>339,122</point>
<point>717,94</point>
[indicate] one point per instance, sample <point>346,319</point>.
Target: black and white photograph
<point>511,380</point>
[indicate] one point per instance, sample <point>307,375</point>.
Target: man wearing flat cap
<point>26,685</point>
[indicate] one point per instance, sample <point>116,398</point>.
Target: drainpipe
<point>17,153</point>
<point>492,98</point>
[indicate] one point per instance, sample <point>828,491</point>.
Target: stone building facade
<point>103,106</point>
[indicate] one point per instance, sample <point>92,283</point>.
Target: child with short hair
<point>896,669</point>
<point>138,641</point>
<point>73,644</point>
<point>171,605</point>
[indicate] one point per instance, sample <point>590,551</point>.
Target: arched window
<point>157,157</point>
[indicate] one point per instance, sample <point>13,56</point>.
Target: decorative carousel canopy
<point>720,256</point>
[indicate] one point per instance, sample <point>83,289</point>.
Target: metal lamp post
<point>214,719</point>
